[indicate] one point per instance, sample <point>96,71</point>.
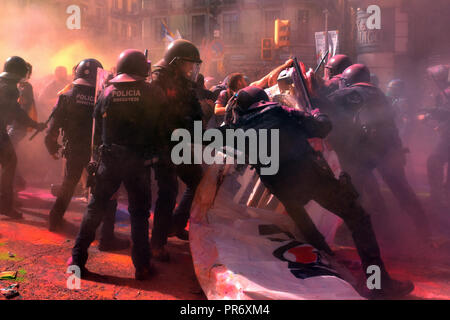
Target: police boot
<point>142,274</point>
<point>80,271</point>
<point>55,223</point>
<point>160,254</point>
<point>389,289</point>
<point>114,244</point>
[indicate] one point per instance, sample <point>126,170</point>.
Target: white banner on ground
<point>240,252</point>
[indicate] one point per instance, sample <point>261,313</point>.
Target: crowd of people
<point>120,133</point>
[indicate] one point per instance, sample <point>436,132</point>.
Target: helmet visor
<point>195,72</point>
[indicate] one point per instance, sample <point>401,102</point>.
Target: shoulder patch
<point>354,98</point>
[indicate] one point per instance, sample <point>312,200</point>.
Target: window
<point>303,31</point>
<point>231,27</point>
<point>135,6</point>
<point>270,17</point>
<point>114,29</point>
<point>124,31</point>
<point>198,28</point>
<point>135,32</point>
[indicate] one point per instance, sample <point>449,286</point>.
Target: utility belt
<point>109,151</point>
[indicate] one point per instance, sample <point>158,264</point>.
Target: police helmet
<point>337,64</point>
<point>356,73</point>
<point>15,68</point>
<point>182,50</point>
<point>86,72</point>
<point>132,65</point>
<point>395,88</point>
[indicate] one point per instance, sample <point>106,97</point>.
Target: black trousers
<point>191,175</point>
<point>392,171</point>
<point>165,217</point>
<point>17,134</point>
<point>72,173</point>
<point>166,178</point>
<point>8,161</point>
<point>312,179</point>
<point>435,168</point>
<point>118,165</point>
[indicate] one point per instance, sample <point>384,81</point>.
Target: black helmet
<point>337,64</point>
<point>86,72</point>
<point>439,73</point>
<point>395,88</point>
<point>132,65</point>
<point>249,96</point>
<point>356,73</point>
<point>182,50</point>
<point>15,68</point>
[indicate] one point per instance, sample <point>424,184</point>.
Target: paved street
<point>40,258</point>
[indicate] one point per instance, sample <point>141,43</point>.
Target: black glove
<point>92,168</point>
<point>52,145</point>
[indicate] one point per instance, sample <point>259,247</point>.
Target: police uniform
<point>126,119</point>
<point>17,131</point>
<point>441,152</point>
<point>72,116</point>
<point>184,109</point>
<point>365,138</point>
<point>304,175</point>
<point>15,69</point>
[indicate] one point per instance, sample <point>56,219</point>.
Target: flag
<point>178,35</point>
<point>166,33</point>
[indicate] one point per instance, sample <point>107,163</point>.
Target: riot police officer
<point>441,152</point>
<point>366,138</point>
<point>73,116</point>
<point>15,69</point>
<point>403,108</point>
<point>304,175</point>
<point>17,132</point>
<point>126,120</point>
<point>176,75</point>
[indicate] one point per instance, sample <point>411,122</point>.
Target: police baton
<point>46,123</point>
<point>322,61</point>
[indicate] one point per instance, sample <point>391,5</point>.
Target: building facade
<point>230,32</point>
<point>412,37</point>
